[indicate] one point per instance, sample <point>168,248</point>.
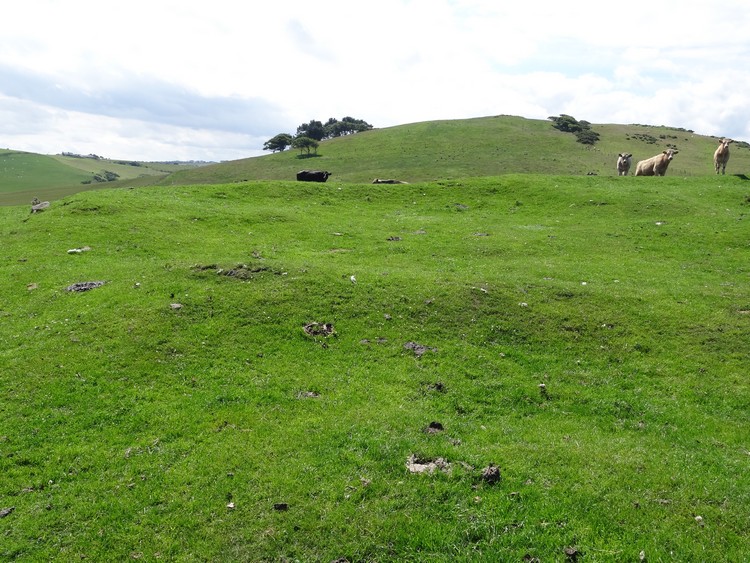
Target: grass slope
<point>24,176</point>
<point>23,171</point>
<point>478,147</point>
<point>180,411</point>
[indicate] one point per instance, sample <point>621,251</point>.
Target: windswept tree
<point>313,130</point>
<point>568,123</point>
<point>581,129</point>
<point>278,143</point>
<point>305,144</point>
<point>347,126</point>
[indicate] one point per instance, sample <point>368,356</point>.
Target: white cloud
<point>195,80</point>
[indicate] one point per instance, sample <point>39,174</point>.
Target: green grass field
<point>180,411</point>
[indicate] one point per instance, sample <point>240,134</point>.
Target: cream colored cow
<point>721,156</point>
<point>656,165</point>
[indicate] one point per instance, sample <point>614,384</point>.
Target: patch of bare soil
<point>380,340</point>
<point>243,272</point>
<point>419,349</point>
<point>239,271</point>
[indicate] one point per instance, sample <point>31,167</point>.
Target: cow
<point>390,181</point>
<point>312,176</point>
<point>656,165</point>
<point>623,163</point>
<point>721,156</point>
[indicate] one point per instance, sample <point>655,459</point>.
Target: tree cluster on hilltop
<point>310,134</point>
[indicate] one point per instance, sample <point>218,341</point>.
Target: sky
<point>212,81</point>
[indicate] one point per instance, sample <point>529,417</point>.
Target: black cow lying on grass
<point>312,176</point>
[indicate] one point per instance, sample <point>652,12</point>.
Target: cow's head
<point>625,155</point>
<point>725,142</point>
<point>670,153</point>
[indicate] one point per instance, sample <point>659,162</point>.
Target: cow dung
<point>84,286</point>
<point>319,329</point>
<point>416,464</point>
<point>433,428</point>
<point>491,474</point>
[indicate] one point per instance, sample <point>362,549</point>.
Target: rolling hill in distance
<point>25,175</point>
<point>487,146</point>
<point>477,147</point>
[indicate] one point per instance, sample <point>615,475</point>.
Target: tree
<point>305,144</point>
<point>567,123</point>
<point>313,130</point>
<point>278,143</point>
<point>581,129</point>
<point>347,126</point>
<point>587,137</point>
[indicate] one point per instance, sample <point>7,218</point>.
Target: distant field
<point>24,176</point>
<point>526,367</point>
<point>22,171</point>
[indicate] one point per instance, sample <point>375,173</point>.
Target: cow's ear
<point>630,155</point>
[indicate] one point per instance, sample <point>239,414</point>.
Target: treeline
<point>75,155</point>
<point>310,134</point>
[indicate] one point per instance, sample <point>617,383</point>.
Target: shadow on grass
<point>742,176</point>
<point>306,156</point>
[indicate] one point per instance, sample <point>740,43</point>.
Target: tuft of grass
<point>587,336</point>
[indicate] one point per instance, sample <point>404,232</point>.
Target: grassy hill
<point>479,147</point>
<point>415,152</point>
<point>24,175</point>
<point>266,366</point>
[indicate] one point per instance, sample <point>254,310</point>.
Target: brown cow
<point>721,156</point>
<point>656,165</point>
